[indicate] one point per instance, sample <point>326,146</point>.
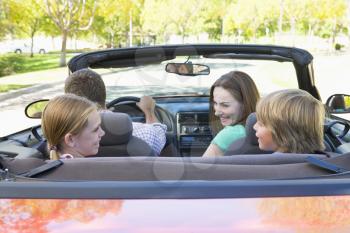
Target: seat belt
<point>43,168</point>
<point>325,165</point>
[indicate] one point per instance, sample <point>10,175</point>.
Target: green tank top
<point>228,135</point>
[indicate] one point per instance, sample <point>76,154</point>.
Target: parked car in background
<point>20,46</point>
<point>180,191</point>
<point>26,48</point>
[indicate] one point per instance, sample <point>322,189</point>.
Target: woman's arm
<point>213,150</point>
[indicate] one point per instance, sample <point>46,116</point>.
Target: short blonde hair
<point>295,119</point>
<point>64,114</point>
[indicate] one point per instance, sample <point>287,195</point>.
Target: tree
<point>251,17</point>
<point>28,17</point>
<point>215,15</point>
<point>155,20</point>
<point>169,17</point>
<point>6,25</point>
<point>70,16</point>
<point>184,16</point>
<point>330,17</point>
<point>113,20</point>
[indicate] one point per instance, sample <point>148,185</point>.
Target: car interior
<point>123,157</point>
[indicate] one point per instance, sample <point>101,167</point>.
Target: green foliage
<point>7,26</point>
<point>27,17</point>
<point>22,63</point>
<point>9,64</point>
<point>112,21</point>
<point>338,46</point>
<point>9,87</point>
<point>111,18</point>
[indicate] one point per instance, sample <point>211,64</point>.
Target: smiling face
<point>264,136</point>
<point>226,107</point>
<point>87,142</point>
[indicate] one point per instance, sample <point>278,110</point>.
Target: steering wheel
<point>132,100</point>
<point>123,99</point>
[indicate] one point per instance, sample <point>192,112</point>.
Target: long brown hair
<point>64,114</point>
<point>242,88</point>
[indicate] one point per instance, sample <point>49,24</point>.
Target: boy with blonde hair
<point>290,121</point>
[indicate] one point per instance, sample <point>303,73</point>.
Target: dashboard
<point>190,116</point>
<point>193,133</point>
<point>187,120</point>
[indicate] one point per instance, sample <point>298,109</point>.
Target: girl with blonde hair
<point>290,121</point>
<point>71,125</point>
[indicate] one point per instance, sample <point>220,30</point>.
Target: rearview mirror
<point>338,103</point>
<point>35,109</point>
<point>187,69</point>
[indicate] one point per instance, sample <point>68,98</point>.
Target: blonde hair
<point>242,88</point>
<point>295,119</point>
<point>64,114</point>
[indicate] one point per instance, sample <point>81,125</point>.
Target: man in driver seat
<point>89,84</point>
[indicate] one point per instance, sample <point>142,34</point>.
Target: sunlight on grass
<point>22,63</point>
<point>9,87</point>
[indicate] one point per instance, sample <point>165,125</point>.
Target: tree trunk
<point>293,29</point>
<point>280,18</point>
<point>63,48</point>
<point>222,29</point>
<point>32,34</point>
<point>130,29</point>
<point>32,45</point>
<point>182,29</point>
<point>334,31</point>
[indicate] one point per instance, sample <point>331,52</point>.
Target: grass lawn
<point>8,87</point>
<point>22,63</point>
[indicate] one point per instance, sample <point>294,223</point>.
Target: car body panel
<point>303,214</point>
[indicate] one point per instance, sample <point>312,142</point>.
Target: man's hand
<point>147,105</point>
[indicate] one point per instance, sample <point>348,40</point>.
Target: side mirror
<point>35,109</point>
<point>187,69</point>
<point>338,103</point>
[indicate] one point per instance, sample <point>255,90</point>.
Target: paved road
<point>45,85</point>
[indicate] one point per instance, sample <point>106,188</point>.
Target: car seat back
<point>248,144</point>
<point>118,139</point>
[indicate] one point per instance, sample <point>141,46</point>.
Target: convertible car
<point>124,188</point>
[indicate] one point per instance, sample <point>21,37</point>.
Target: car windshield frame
<point>138,56</point>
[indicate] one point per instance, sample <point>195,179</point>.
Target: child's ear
<point>69,140</point>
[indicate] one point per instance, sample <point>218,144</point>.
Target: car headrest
<point>117,127</point>
<point>250,122</point>
<point>248,144</point>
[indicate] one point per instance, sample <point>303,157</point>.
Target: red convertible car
<point>180,191</point>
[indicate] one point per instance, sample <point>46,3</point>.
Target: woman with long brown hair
<point>232,98</point>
